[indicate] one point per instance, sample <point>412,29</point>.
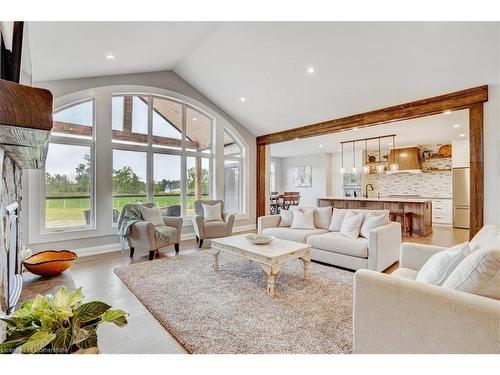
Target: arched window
<point>152,148</point>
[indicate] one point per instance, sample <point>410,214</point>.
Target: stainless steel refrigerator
<point>461,197</point>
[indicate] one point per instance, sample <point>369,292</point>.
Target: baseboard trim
<point>112,247</point>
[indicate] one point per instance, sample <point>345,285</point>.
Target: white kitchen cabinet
<point>442,211</point>
<point>460,154</point>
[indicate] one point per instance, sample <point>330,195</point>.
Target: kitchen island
<point>421,208</point>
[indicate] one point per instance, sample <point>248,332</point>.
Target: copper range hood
<point>408,160</point>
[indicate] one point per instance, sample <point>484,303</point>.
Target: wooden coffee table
<point>271,257</point>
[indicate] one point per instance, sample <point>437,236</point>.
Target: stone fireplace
<point>10,229</point>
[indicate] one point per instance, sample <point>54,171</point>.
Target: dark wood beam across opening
<point>471,99</point>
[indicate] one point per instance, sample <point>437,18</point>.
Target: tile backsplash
<point>431,184</point>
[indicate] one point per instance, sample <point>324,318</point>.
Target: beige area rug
<point>229,311</point>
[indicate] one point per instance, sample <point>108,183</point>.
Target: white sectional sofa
<point>397,314</point>
<point>377,252</point>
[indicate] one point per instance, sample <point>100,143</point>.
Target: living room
<point>249,188</point>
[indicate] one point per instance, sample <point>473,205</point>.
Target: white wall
<point>158,82</point>
<point>335,175</point>
<point>320,177</point>
<point>336,178</point>
<point>278,162</point>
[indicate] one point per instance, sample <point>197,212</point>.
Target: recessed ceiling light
<point>447,112</point>
<point>195,119</point>
<point>462,135</point>
<point>243,99</point>
<point>339,149</point>
<point>354,128</point>
<point>456,125</point>
<point>390,143</point>
<point>320,145</point>
<point>296,139</point>
<point>110,56</point>
<point>311,70</point>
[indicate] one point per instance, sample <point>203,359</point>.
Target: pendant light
<point>394,166</point>
<point>342,170</point>
<point>380,167</point>
<point>354,169</point>
<point>366,167</point>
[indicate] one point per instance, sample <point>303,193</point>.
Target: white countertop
<point>375,199</point>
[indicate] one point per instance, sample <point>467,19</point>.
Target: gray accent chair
<point>211,229</point>
<point>142,235</point>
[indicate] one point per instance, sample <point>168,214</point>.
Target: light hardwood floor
<point>144,334</point>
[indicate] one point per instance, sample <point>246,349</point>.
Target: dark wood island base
<point>421,209</point>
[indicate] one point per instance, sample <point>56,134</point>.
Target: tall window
<point>129,179</point>
<point>233,164</point>
<point>160,135</point>
<point>167,183</point>
<point>69,185</point>
<point>198,181</point>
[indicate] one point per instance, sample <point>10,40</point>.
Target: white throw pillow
<point>322,217</point>
<point>440,266</point>
<point>151,215</point>
<point>337,219</point>
<point>370,222</point>
<point>478,273</point>
<point>212,212</point>
<point>286,218</point>
<point>487,237</point>
<point>303,219</point>
<point>351,224</point>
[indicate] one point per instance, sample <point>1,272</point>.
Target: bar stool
<point>406,219</point>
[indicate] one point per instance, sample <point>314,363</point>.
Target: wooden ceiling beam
<point>407,111</point>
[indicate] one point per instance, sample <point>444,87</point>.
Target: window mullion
<point>149,159</point>
<point>183,165</point>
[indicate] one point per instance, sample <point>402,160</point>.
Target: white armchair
<point>142,235</point>
<point>396,314</point>
<point>211,229</point>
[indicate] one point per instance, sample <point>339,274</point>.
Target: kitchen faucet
<point>366,189</point>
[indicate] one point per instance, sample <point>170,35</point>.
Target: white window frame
<point>102,165</point>
<point>72,141</point>
<point>150,149</point>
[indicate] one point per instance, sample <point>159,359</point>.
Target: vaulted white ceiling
<point>358,66</point>
<point>63,50</point>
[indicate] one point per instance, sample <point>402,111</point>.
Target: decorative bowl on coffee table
<point>257,239</point>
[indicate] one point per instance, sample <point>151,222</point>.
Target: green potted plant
<point>58,324</point>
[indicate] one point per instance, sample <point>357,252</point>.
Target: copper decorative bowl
<point>50,262</point>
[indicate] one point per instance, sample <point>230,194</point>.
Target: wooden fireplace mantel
<point>25,123</point>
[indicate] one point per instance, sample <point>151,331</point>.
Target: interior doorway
<point>470,99</point>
